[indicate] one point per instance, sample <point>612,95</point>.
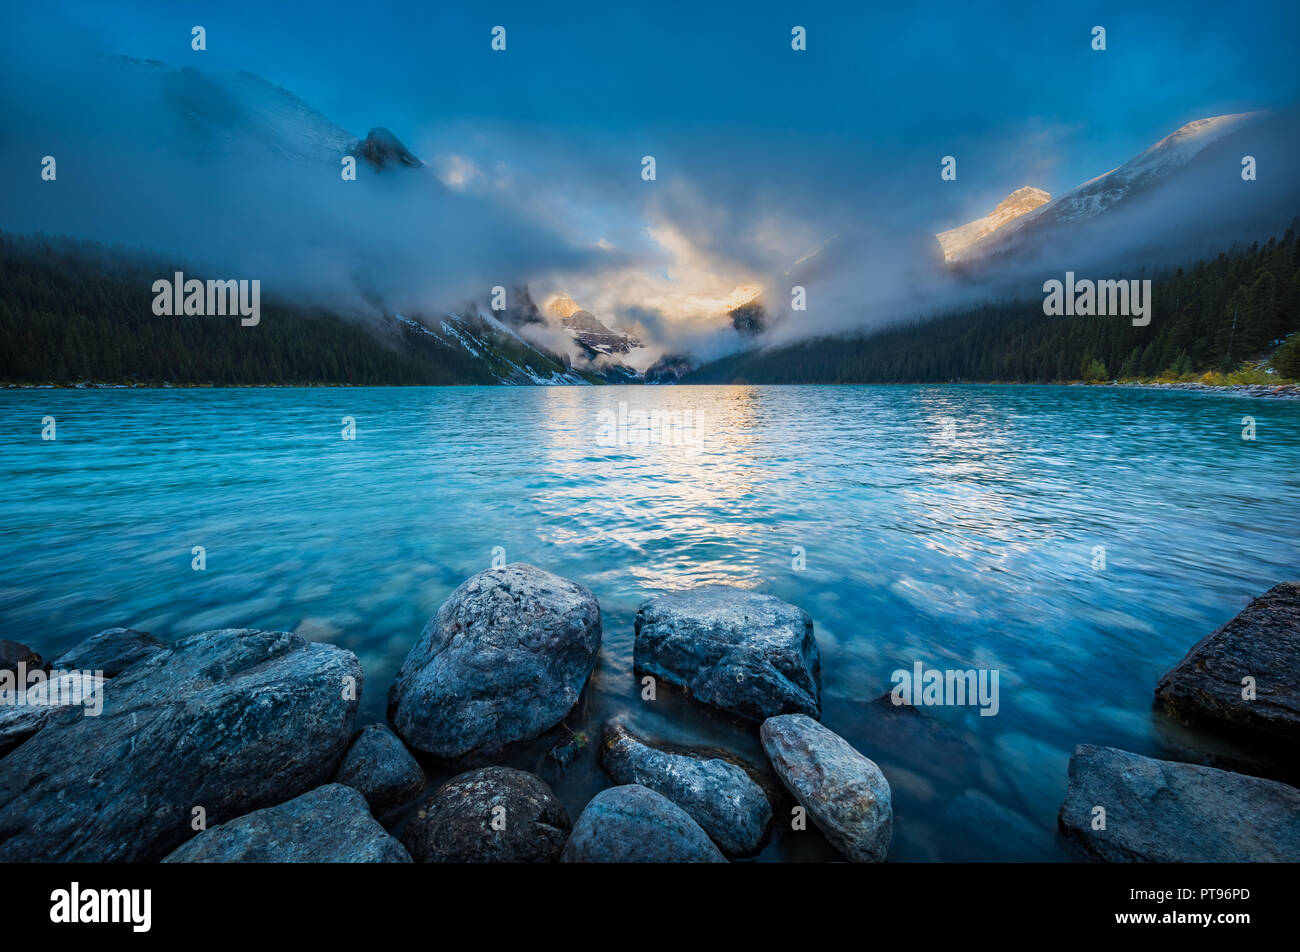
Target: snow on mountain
<point>229,111</point>
<point>241,109</point>
<point>587,330</point>
<point>502,354</point>
<point>1149,168</point>
<point>1022,201</point>
<point>1153,167</point>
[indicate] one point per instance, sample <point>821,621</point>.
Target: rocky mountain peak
<point>383,150</point>
<point>1020,202</point>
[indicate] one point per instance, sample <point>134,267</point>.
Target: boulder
<point>718,795</point>
<point>633,824</point>
<point>330,824</point>
<point>381,768</point>
<point>12,653</point>
<point>31,709</point>
<point>492,815</point>
<point>1261,643</point>
<point>110,652</point>
<point>1164,812</point>
<point>505,659</point>
<point>750,654</point>
<point>230,721</point>
<point>845,794</point>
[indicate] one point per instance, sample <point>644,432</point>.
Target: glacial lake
<point>961,527</point>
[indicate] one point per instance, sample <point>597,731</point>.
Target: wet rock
<point>505,659</point>
<point>750,654</point>
<point>13,653</point>
<point>566,754</point>
<point>632,824</point>
<point>231,720</point>
<point>492,815</point>
<point>720,796</point>
<point>330,824</point>
<point>1261,643</point>
<point>110,652</point>
<point>845,794</point>
<point>381,768</point>
<point>1164,812</point>
<point>31,709</point>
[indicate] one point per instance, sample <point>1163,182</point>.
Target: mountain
<point>384,150</point>
<point>750,319</point>
<point>589,332</point>
<point>1231,312</point>
<point>562,307</point>
<point>670,368</point>
<point>1182,196</point>
<point>958,241</point>
<point>78,312</point>
<point>327,255</point>
<point>227,111</point>
<point>509,358</point>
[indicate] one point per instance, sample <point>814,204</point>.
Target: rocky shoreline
<point>1282,391</point>
<point>241,745</point>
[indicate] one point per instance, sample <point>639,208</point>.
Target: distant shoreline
<point>1285,391</point>
<point>1290,391</point>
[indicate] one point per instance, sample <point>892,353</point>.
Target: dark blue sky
<point>931,78</point>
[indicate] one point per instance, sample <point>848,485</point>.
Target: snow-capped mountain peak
<point>587,330</point>
<point>1022,201</point>
<point>1147,168</point>
<point>1150,168</point>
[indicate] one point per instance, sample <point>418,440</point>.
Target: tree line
<point>78,311</point>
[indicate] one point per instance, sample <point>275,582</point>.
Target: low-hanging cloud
<point>229,174</point>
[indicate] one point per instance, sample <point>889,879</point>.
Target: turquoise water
<point>955,526</point>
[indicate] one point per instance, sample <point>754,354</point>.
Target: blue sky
<point>920,79</point>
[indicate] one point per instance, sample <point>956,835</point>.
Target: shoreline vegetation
<point>506,660</point>
<point>1273,388</point>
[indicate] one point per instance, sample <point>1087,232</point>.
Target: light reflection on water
<point>951,525</point>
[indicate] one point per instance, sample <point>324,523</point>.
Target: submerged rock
<point>230,721</point>
<point>1164,812</point>
<point>720,796</point>
<point>751,654</point>
<point>330,824</point>
<point>381,768</point>
<point>566,754</point>
<point>632,824</point>
<point>505,659</point>
<point>1262,643</point>
<point>110,652</point>
<point>492,815</point>
<point>13,653</point>
<point>845,794</point>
